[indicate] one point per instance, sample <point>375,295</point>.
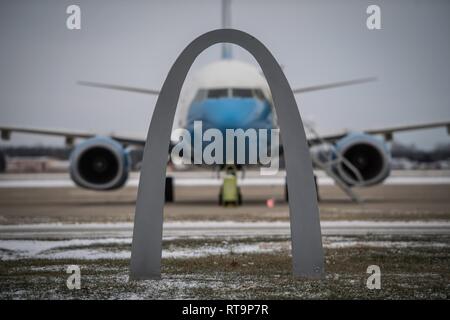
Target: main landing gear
<point>2,162</point>
<point>169,191</point>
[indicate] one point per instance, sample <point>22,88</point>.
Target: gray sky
<point>136,42</point>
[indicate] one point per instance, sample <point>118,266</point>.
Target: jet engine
<point>368,155</point>
<point>99,163</point>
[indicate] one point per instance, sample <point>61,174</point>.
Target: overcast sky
<point>136,42</point>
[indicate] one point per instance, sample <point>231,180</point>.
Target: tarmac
<point>52,198</point>
<point>214,252</point>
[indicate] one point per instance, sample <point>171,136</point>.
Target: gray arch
<point>307,251</point>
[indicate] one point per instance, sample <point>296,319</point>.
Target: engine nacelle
<point>365,153</point>
<point>99,163</point>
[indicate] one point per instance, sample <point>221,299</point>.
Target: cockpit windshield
<point>242,93</point>
<point>218,93</point>
<point>229,92</point>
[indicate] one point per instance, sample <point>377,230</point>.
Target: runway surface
<point>222,229</point>
<point>35,198</point>
<point>204,178</point>
<point>46,223</point>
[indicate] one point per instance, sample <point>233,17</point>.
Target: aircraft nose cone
<point>231,113</point>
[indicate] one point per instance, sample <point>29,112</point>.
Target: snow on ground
<point>35,247</point>
<point>215,229</point>
<point>223,224</point>
<point>21,241</point>
<point>94,249</point>
<point>119,248</point>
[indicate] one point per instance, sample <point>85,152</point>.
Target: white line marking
<point>202,229</point>
<point>275,181</point>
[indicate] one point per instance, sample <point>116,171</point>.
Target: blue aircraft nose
<point>232,113</point>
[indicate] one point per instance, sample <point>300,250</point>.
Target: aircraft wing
<point>387,132</point>
<point>118,87</point>
<point>69,135</point>
<point>333,85</point>
<point>319,87</point>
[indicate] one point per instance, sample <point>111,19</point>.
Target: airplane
<point>231,94</point>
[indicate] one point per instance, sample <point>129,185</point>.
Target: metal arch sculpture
<point>307,251</point>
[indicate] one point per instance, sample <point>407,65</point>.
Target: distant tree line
<point>440,152</point>
<point>61,153</point>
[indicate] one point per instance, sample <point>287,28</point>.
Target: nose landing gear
<point>230,192</point>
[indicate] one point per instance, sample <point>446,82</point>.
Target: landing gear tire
<point>169,194</point>
<point>2,162</point>
<point>239,200</point>
<point>286,194</point>
<point>221,197</point>
<point>317,188</point>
